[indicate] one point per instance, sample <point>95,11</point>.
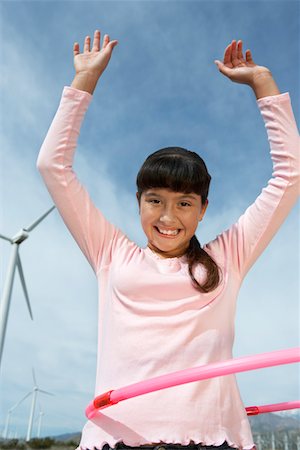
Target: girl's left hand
<point>239,69</point>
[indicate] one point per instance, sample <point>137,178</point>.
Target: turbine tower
<point>34,392</point>
<point>273,442</point>
<point>286,442</point>
<point>40,417</point>
<point>14,262</point>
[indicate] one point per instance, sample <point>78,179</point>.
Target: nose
<point>168,215</point>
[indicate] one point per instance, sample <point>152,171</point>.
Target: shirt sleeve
<point>245,240</point>
<point>96,236</point>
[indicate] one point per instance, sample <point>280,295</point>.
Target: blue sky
<point>160,89</point>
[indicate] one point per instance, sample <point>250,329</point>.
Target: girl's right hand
<point>93,62</point>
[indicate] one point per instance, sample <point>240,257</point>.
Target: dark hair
<point>185,171</point>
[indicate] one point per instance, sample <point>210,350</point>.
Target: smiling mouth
<point>167,233</point>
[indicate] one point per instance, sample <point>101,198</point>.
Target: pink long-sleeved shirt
<point>152,321</point>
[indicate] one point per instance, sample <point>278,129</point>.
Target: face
<point>170,219</point>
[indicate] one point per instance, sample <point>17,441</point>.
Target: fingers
<point>105,41</point>
<point>233,51</point>
<point>227,54</point>
<point>233,54</point>
<point>112,44</point>
<point>76,49</point>
<point>240,50</point>
<point>236,53</point>
<point>86,46</point>
<point>225,70</point>
<point>249,56</point>
<point>96,43</point>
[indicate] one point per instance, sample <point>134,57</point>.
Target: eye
<point>155,201</point>
<point>185,204</point>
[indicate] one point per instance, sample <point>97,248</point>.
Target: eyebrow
<point>150,194</point>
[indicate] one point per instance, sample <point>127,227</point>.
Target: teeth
<point>168,232</point>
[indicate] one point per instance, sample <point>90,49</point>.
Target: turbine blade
<point>19,264</point>
<point>36,222</point>
<point>19,402</point>
<point>6,238</point>
<point>45,392</point>
<point>34,379</point>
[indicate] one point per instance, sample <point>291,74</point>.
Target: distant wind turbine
<point>34,392</point>
<point>14,262</point>
<point>8,417</point>
<point>273,442</point>
<point>259,442</point>
<point>40,417</point>
<point>286,442</point>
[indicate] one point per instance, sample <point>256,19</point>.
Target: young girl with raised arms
<point>169,306</point>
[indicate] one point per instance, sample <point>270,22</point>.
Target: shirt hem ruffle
<point>208,442</point>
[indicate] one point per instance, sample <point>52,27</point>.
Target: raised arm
<point>247,239</point>
<point>96,237</point>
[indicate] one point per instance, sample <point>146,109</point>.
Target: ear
<point>203,210</point>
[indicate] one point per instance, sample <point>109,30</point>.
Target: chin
<point>175,251</point>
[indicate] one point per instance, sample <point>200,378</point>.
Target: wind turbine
<point>14,262</point>
<point>34,392</point>
<point>10,411</point>
<point>286,442</point>
<point>273,442</point>
<point>259,442</point>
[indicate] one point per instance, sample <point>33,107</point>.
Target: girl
<point>171,305</point>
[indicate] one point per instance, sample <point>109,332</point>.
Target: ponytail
<point>195,255</point>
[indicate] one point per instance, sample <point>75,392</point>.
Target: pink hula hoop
<point>199,373</point>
